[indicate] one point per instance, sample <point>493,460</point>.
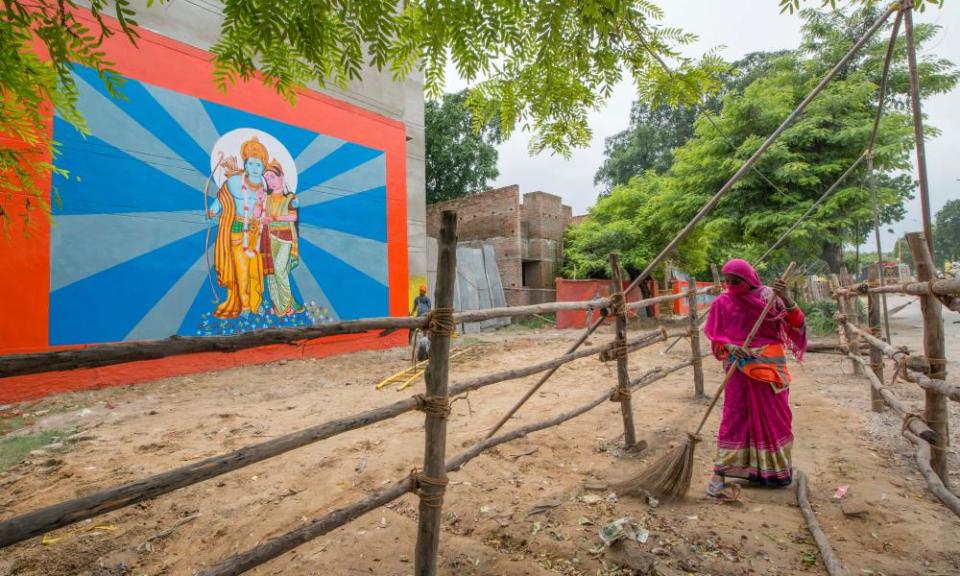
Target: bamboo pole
<point>695,352</point>
<point>876,356</point>
<point>849,338</point>
<point>830,561</point>
<point>431,485</point>
<point>935,408</point>
<point>878,277</point>
<point>906,9</point>
<point>240,563</point>
<point>622,393</point>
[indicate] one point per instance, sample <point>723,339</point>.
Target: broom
<point>669,477</point>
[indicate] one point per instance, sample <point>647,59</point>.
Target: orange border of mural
<point>24,295</point>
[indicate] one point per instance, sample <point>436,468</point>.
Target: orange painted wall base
<point>35,386</point>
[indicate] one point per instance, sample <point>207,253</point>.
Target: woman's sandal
<point>724,492</point>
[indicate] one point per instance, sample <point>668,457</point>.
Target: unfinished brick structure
<point>527,235</point>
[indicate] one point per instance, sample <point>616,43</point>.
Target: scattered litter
<point>694,517</point>
<point>486,509</point>
<point>841,492</point>
<point>536,528</point>
<point>100,528</point>
<point>383,522</point>
<point>545,506</point>
<point>612,498</point>
<point>361,466</point>
<point>652,502</point>
<point>623,529</point>
<point>584,521</point>
<point>590,498</point>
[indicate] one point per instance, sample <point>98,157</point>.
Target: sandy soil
<point>123,434</point>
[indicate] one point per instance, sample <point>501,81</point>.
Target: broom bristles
<point>668,478</point>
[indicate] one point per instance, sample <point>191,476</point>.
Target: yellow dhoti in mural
<point>238,262</point>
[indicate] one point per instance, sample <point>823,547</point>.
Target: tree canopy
<point>536,64</point>
<point>459,159</point>
<point>946,231</point>
<point>810,155</point>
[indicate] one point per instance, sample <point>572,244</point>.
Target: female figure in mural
<point>237,257</point>
<point>280,244</point>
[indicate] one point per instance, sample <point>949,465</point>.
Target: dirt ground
<point>532,507</point>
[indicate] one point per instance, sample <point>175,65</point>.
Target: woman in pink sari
<point>755,437</point>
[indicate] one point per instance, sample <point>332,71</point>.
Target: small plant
<point>819,316</point>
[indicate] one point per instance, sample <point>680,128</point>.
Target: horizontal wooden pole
<point>916,425</point>
<point>830,561</point>
<point>106,354</point>
<point>951,391</point>
<point>668,298</point>
<point>934,484</point>
<point>240,563</point>
<point>65,513</point>
<point>530,310</point>
<point>945,287</point>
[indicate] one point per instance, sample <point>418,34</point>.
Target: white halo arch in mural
<point>229,144</point>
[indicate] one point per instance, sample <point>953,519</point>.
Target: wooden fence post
<point>695,352</point>
<point>853,315</point>
<point>622,393</point>
<point>935,407</point>
<point>849,339</point>
<point>430,484</point>
<point>876,356</point>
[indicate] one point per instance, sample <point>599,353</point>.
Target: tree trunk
<point>832,254</point>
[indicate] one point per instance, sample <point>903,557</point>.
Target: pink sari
<point>755,436</point>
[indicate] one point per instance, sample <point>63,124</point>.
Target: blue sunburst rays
<point>354,278</point>
<point>142,107</point>
<point>363,214</point>
<point>106,306</point>
<point>345,159</point>
<point>225,119</point>
<point>104,179</point>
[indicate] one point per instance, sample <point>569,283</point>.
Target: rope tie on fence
<point>620,394</point>
<point>438,406</point>
<point>937,373</point>
<point>909,417</point>
<point>429,499</point>
<point>862,288</point>
<point>617,303</point>
<point>440,322</point>
<point>616,350</point>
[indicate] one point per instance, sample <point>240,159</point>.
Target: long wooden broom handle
<point>733,366</point>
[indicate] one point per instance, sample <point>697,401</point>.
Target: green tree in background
<point>802,164</point>
<point>647,144</point>
<point>946,232</point>
<point>460,160</point>
<point>655,132</point>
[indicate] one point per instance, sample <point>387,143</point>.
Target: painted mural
<point>183,216</point>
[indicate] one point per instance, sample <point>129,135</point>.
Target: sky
<point>754,25</point>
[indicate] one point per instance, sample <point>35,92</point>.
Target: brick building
<point>527,234</point>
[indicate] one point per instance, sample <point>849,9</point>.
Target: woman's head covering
<point>742,269</point>
<point>732,316</point>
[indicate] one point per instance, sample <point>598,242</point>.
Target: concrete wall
<point>198,24</point>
